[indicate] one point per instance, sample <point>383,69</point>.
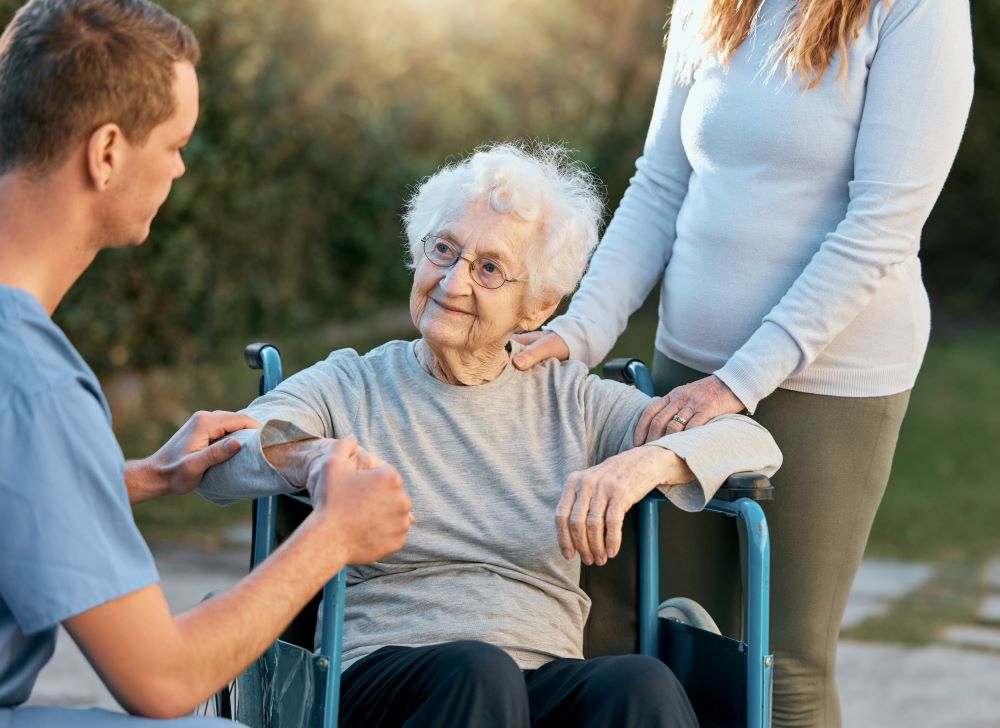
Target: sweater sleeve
<point>316,402</point>
<point>724,446</point>
<point>637,244</point>
<point>919,91</point>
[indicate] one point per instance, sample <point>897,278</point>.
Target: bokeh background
<point>318,117</point>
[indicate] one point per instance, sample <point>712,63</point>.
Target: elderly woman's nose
<point>458,278</point>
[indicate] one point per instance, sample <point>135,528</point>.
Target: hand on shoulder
<point>539,346</point>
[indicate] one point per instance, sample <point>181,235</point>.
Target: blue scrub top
<point>68,541</point>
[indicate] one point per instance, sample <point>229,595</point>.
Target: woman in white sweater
<point>795,151</point>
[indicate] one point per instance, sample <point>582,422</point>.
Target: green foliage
<point>318,116</point>
<point>961,243</point>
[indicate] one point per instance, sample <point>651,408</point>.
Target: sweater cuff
<point>759,367</point>
<point>727,445</point>
<point>249,474</point>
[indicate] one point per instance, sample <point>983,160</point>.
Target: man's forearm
<point>225,634</point>
<point>162,666</point>
<point>141,482</point>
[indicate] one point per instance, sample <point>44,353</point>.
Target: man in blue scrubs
<point>97,100</point>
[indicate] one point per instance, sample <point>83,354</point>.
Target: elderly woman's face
<point>449,308</point>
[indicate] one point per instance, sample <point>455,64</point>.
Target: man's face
<point>149,170</point>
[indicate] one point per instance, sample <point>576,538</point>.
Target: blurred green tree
<point>318,116</point>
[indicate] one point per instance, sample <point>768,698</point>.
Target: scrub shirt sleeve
<point>69,541</point>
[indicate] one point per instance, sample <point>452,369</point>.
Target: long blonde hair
<point>815,30</point>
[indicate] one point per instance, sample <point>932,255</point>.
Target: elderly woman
<point>479,619</point>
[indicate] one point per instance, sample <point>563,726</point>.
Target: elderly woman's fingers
<point>539,346</point>
<point>614,518</point>
<point>563,510</point>
<point>578,522</point>
<point>596,525</point>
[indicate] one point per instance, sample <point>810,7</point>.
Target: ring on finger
<point>595,515</point>
<point>679,420</point>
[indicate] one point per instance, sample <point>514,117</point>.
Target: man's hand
<point>690,405</point>
<point>594,501</point>
<point>163,666</point>
<point>360,498</point>
<point>296,460</point>
<point>539,346</point>
<point>178,466</point>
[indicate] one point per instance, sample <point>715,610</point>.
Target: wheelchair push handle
<point>754,486</point>
<point>630,371</point>
<point>263,356</point>
<point>253,354</point>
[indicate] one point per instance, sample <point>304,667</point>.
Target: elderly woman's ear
<point>537,314</point>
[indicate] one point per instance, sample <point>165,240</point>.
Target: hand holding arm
<point>164,666</point>
<point>178,466</point>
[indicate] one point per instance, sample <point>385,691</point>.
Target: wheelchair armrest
<point>754,486</point>
<point>252,354</point>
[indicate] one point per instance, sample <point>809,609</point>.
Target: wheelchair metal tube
<point>649,575</point>
<point>265,510</point>
<point>331,640</point>
<point>760,662</point>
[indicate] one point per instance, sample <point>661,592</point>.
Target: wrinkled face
<point>449,308</point>
<point>150,169</point>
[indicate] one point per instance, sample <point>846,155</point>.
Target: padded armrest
<point>754,486</point>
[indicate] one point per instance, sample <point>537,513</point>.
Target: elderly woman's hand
<point>594,501</point>
<point>685,407</point>
<point>539,346</point>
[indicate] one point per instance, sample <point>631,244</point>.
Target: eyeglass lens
<point>444,253</point>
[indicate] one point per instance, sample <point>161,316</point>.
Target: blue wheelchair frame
<point>675,643</point>
<point>739,500</point>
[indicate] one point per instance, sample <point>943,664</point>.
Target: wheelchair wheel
<point>688,611</point>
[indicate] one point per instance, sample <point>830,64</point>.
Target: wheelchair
<point>728,680</point>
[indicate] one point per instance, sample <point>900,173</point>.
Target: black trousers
<point>471,683</point>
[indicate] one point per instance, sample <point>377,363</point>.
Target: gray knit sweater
<point>485,466</point>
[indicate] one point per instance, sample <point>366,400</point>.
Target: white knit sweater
<point>785,223</point>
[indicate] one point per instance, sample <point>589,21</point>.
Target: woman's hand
<point>539,346</point>
<point>594,501</point>
<point>685,407</point>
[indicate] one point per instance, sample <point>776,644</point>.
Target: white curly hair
<point>533,181</point>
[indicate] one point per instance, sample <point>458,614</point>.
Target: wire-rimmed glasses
<point>445,253</point>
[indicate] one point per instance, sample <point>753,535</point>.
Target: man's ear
<point>539,313</point>
<point>105,150</point>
